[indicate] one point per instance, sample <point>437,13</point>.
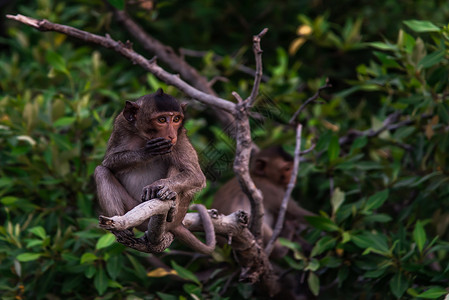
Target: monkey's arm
<point>118,158</point>
<point>184,175</point>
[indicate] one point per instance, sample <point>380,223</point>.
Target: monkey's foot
<point>106,222</point>
<point>142,244</point>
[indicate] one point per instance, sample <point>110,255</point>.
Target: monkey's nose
<point>172,139</point>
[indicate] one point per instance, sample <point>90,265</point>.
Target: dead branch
<point>255,265</point>
<point>216,57</point>
<point>137,215</point>
<point>389,124</point>
<point>258,76</point>
<point>126,51</point>
<point>311,99</point>
<point>243,148</point>
<point>168,56</point>
<point>291,185</point>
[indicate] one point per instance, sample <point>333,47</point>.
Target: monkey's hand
<point>159,189</point>
<point>158,146</point>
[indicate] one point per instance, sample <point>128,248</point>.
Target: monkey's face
<point>279,171</point>
<point>163,124</point>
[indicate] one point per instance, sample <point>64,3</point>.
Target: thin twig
<point>389,124</point>
<point>243,146</point>
<point>240,67</point>
<point>258,76</point>
<point>311,99</point>
<point>291,185</point>
<point>152,67</point>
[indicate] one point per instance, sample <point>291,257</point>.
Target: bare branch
<point>258,76</point>
<point>216,57</point>
<point>311,99</point>
<point>137,215</point>
<point>291,185</point>
<point>108,42</point>
<point>244,142</point>
<point>175,62</point>
<point>390,123</point>
<point>255,266</point>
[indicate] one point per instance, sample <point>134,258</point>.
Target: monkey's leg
<point>156,228</point>
<point>113,197</point>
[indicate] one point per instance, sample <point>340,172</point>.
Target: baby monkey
<point>150,156</point>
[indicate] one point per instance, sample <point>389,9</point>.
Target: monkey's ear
<point>183,107</point>
<point>259,167</point>
<point>159,92</point>
<point>130,111</point>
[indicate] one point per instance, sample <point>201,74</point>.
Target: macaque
<point>149,156</point>
<point>270,170</point>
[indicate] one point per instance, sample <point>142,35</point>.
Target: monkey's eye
<point>176,119</point>
<point>162,119</point>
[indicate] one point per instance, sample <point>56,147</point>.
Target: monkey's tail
<point>185,236</point>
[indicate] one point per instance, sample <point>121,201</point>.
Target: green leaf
<point>443,113</point>
<point>419,236</point>
<point>324,244</point>
<point>184,273</point>
<point>139,269</point>
<point>88,257</point>
<point>359,142</point>
<point>398,285</point>
<point>9,200</point>
<point>165,296</point>
<point>322,223</point>
<point>195,291</point>
<point>56,61</point>
<point>119,4</point>
<point>376,200</point>
<point>433,293</point>
<point>368,240</point>
<point>314,283</point>
<point>24,257</point>
<point>383,46</point>
<point>313,265</point>
<point>105,241</point>
<point>432,59</point>
<point>101,281</point>
<point>422,26</point>
<point>39,231</point>
<point>113,266</point>
<point>338,197</point>
<point>64,121</point>
<point>381,218</point>
<point>333,151</point>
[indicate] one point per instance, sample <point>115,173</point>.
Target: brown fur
<point>147,158</point>
<point>270,170</point>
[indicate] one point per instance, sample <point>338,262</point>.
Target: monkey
<point>149,156</point>
<point>270,170</point>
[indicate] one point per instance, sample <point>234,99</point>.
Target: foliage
<point>381,199</point>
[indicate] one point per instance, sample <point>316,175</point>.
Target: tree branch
<point>291,184</point>
<point>390,123</point>
<point>258,76</point>
<point>126,51</point>
<point>168,56</point>
<point>256,266</point>
<point>311,99</point>
<point>243,146</point>
<point>216,57</point>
